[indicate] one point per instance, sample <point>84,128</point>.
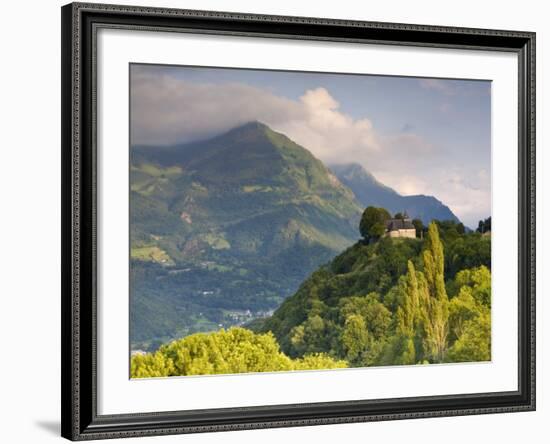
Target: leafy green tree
<point>377,230</point>
<point>419,226</point>
<point>236,350</point>
<point>366,325</point>
<point>373,222</point>
<point>355,337</point>
<point>408,313</point>
<point>469,317</point>
<point>479,280</point>
<point>467,251</point>
<point>317,361</point>
<point>484,226</point>
<point>433,296</point>
<point>474,344</point>
<point>462,308</point>
<point>310,336</point>
<point>399,350</point>
<point>394,296</point>
<point>151,365</point>
<point>375,314</point>
<point>433,257</point>
<point>450,230</point>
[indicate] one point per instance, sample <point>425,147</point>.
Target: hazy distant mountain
<point>369,191</point>
<point>226,225</point>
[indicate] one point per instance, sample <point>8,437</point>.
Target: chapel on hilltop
<point>402,227</point>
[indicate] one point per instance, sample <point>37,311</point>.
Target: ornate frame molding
<point>80,22</point>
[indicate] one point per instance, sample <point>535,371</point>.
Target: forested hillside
<point>381,302</point>
<point>392,302</point>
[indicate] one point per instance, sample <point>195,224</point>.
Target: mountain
<point>223,230</point>
<point>369,191</point>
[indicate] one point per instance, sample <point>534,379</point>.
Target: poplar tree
<point>434,296</point>
<point>408,311</point>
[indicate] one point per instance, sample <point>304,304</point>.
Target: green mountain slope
<point>359,306</point>
<point>369,191</point>
<point>223,230</point>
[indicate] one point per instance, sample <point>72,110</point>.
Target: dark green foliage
<point>463,249</point>
<point>484,226</point>
<point>419,226</point>
<point>373,222</point>
<point>466,251</point>
<point>392,302</point>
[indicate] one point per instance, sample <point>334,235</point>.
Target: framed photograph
<point>283,221</point>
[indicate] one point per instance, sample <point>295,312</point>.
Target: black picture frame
<point>80,420</point>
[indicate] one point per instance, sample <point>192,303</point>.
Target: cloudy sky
<point>417,135</point>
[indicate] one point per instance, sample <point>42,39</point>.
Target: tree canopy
<point>373,222</point>
<point>236,350</point>
<point>391,302</point>
<point>484,226</point>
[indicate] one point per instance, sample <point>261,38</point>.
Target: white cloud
<point>406,184</point>
<point>330,134</point>
<point>167,110</point>
<point>469,193</point>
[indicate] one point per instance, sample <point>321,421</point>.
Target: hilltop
<point>378,303</point>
